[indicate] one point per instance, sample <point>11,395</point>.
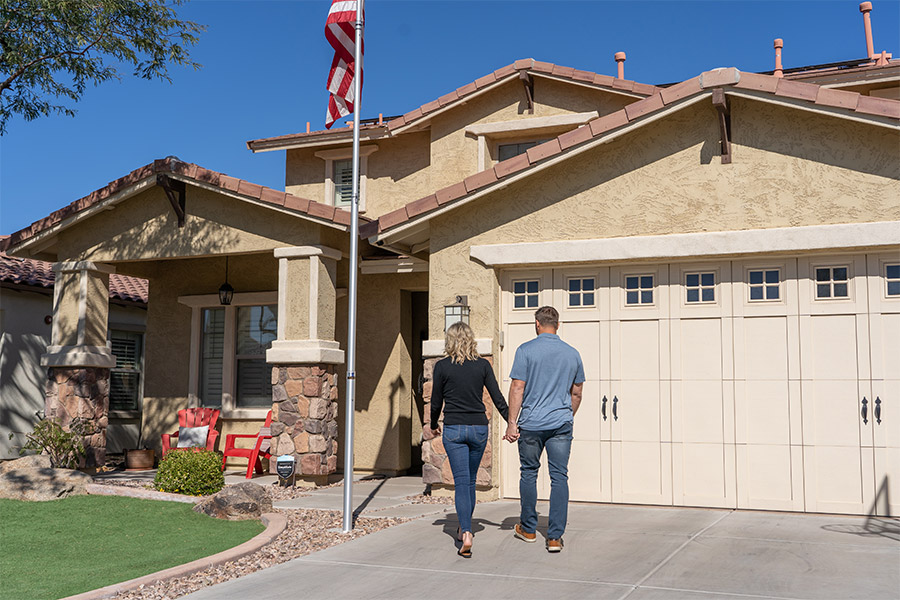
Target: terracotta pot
<point>139,460</point>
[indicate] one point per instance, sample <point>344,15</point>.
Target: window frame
<point>888,280</point>
<point>142,332</point>
<point>568,293</point>
<point>197,303</point>
<point>330,157</point>
<point>526,294</point>
<point>700,287</point>
<point>653,289</point>
<point>814,281</point>
<point>764,285</point>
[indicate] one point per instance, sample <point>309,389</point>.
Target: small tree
<point>54,48</point>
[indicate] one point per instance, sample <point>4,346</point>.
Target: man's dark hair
<point>547,316</point>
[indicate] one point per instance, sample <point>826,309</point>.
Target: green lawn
<point>50,550</point>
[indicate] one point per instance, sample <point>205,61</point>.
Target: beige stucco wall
<point>790,168</point>
<point>144,227</point>
<point>384,401</point>
<point>413,165</point>
<point>297,301</point>
<point>97,308</point>
<point>168,338</point>
<point>65,321</point>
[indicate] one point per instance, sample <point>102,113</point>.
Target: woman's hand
<point>512,433</point>
<point>436,431</point>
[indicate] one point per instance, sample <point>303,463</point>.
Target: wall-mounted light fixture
<point>457,312</point>
<point>226,292</point>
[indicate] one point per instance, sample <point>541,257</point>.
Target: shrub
<point>65,448</point>
<point>191,472</point>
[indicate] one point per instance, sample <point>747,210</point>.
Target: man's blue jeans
<point>558,443</point>
<point>465,446</point>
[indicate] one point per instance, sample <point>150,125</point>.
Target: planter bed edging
<point>275,524</point>
<point>99,489</point>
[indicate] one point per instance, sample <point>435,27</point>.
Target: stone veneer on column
<point>304,418</point>
<point>81,393</point>
<point>435,466</point>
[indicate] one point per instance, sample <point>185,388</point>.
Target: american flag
<point>342,36</point>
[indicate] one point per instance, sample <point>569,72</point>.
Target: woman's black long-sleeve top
<point>457,388</point>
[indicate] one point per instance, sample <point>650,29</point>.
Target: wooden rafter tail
<point>528,84</point>
<point>721,103</point>
<point>171,186</point>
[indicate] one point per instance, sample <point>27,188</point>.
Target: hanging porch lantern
<point>457,312</point>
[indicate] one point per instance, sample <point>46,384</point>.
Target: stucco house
<point>724,252</point>
<point>26,313</point>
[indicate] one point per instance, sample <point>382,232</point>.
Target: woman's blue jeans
<point>558,443</point>
<point>465,446</point>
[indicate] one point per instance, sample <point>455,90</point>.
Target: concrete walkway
<point>612,552</point>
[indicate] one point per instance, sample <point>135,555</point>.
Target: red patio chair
<point>259,450</point>
<point>193,417</point>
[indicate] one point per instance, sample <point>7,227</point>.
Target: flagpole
<point>350,408</point>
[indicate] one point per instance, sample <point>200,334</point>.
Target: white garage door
<point>750,384</point>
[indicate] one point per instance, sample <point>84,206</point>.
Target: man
<point>544,395</point>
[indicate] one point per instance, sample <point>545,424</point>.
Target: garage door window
<point>581,292</point>
<point>638,290</point>
<point>700,287</point>
<point>525,293</point>
<point>892,278</point>
<point>764,284</point>
<point>832,282</point>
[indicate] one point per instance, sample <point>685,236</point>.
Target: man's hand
<point>512,433</point>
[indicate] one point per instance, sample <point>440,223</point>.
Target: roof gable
<point>145,177</point>
<point>419,116</point>
<point>838,103</point>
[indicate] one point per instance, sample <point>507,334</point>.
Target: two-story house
<point>724,253</point>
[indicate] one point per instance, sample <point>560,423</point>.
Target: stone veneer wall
<point>435,466</point>
<point>81,392</point>
<point>304,417</point>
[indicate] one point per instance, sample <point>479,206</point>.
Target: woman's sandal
<point>465,551</point>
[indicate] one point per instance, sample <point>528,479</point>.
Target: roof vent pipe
<point>779,44</point>
<point>307,127</point>
<point>620,59</point>
<point>865,8</point>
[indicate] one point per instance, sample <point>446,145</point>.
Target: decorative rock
<point>310,464</point>
<point>312,386</point>
<point>288,406</point>
<point>483,477</point>
<point>240,502</point>
<point>41,484</point>
<point>32,461</point>
<point>298,373</point>
<point>285,445</point>
<point>278,393</point>
<point>277,429</point>
<point>301,442</point>
<point>303,406</point>
<point>331,463</point>
<point>293,388</point>
<point>318,408</point>
<point>314,426</point>
<point>430,474</point>
<point>290,418</point>
<point>317,443</point>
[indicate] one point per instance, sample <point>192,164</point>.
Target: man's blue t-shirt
<point>549,367</point>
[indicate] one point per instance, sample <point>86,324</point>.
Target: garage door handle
<point>865,411</point>
<point>878,410</point>
<point>615,405</point>
<point>603,408</point>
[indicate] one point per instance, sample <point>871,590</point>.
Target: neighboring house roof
<point>732,80</point>
<point>462,94</point>
<point>190,173</point>
<point>39,273</point>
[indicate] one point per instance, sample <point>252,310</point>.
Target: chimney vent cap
<point>620,56</point>
<point>865,7</point>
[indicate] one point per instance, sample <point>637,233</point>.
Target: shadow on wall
<point>879,521</point>
<point>23,388</point>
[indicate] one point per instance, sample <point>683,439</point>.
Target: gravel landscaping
<point>307,531</point>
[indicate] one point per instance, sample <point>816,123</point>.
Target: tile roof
<point>194,173</point>
<point>39,273</point>
<point>662,98</point>
<point>527,65</point>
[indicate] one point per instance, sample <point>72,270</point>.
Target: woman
<point>458,383</point>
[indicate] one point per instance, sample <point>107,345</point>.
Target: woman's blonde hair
<point>459,343</point>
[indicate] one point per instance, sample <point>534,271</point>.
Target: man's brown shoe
<point>554,545</point>
<point>524,535</point>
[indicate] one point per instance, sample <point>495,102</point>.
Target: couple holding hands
<point>544,395</point>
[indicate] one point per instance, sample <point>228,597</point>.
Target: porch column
<point>304,387</point>
<point>78,358</point>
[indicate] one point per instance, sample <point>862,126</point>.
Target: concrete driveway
<point>614,552</point>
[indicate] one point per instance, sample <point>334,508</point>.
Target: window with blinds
<point>212,349</point>
<point>343,182</point>
<point>505,151</point>
<point>125,377</point>
<point>257,328</point>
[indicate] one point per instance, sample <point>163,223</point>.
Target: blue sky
<point>265,64</point>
